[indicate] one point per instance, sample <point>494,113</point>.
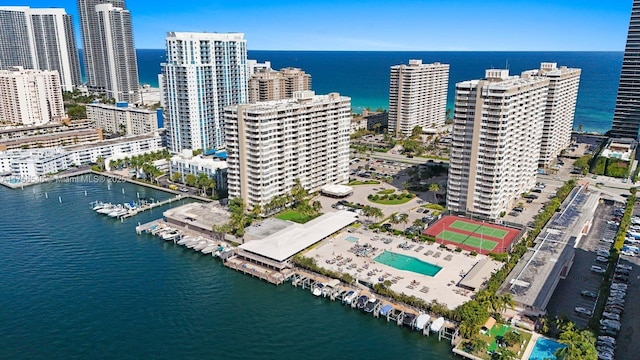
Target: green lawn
<point>386,192</point>
<point>295,216</point>
<point>368,182</point>
<point>490,338</point>
<point>391,202</point>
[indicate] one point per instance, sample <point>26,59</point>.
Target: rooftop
<point>291,240</point>
<point>119,140</point>
<point>201,215</point>
<point>533,280</point>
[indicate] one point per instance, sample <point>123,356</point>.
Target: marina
<point>129,209</point>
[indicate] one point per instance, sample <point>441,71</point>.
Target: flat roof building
<point>267,84</point>
<point>122,119</point>
<point>203,73</point>
<point>30,97</point>
<point>495,147</point>
<point>417,96</point>
<point>271,144</point>
<point>41,39</point>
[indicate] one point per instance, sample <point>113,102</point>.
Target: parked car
<point>602,259</point>
<point>588,293</point>
<point>597,269</point>
<point>582,311</point>
<point>625,267</point>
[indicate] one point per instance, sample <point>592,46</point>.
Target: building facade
<point>626,118</point>
<point>122,118</point>
<point>270,144</point>
<point>185,163</point>
<point>40,39</point>
<point>30,97</point>
<point>560,109</point>
<point>110,60</point>
<point>62,138</point>
<point>204,73</point>
<point>417,96</point>
<point>267,84</point>
<point>495,147</point>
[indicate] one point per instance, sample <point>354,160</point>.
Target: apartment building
<point>62,138</point>
<point>40,39</point>
<point>267,84</point>
<point>185,163</point>
<point>270,144</point>
<point>122,118</point>
<point>30,97</point>
<point>417,96</point>
<point>203,73</point>
<point>496,139</point>
<point>560,109</point>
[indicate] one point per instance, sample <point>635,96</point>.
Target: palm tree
<point>317,206</point>
<point>376,213</point>
<point>434,188</point>
<point>418,223</point>
<point>203,182</point>
<point>403,218</point>
<point>256,210</point>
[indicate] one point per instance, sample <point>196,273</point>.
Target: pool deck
<point>531,345</point>
<point>441,287</point>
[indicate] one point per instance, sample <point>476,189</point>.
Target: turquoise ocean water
<point>364,76</point>
<point>78,285</point>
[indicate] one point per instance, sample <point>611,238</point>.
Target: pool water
<point>545,349</point>
<point>403,262</point>
<point>351,239</point>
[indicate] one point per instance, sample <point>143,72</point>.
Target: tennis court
<point>472,235</point>
<point>479,229</point>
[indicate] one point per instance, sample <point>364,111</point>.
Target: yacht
<point>185,240</point>
<point>201,245</point>
<point>362,301</point>
<point>106,208</point>
<point>371,305</point>
<point>170,235</point>
<point>350,296</point>
<point>209,249</point>
<point>317,289</point>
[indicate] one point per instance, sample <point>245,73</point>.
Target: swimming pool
<point>351,239</point>
<point>545,349</point>
<point>403,262</point>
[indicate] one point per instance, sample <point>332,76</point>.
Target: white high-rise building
<point>203,73</point>
<point>41,39</point>
<point>30,97</point>
<point>272,143</point>
<point>495,147</point>
<point>417,96</point>
<point>110,58</point>
<point>561,106</point>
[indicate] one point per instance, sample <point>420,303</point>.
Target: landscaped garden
<point>366,182</point>
<point>499,338</point>
<point>391,198</point>
<point>296,216</point>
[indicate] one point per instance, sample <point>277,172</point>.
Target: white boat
<point>105,209</point>
<point>437,324</point>
<point>317,289</point>
<point>201,245</point>
<point>185,240</point>
<point>171,235</point>
<point>421,321</point>
<point>118,212</point>
<point>349,298</point>
<point>193,244</point>
<point>159,230</point>
<point>97,205</point>
<point>209,249</point>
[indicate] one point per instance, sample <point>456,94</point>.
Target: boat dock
<point>149,206</point>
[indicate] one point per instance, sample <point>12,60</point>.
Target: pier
<point>149,206</point>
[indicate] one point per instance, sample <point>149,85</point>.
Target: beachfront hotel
<point>30,97</point>
<point>110,60</point>
<point>417,96</point>
<point>496,138</point>
<point>203,73</point>
<point>267,84</point>
<point>626,121</point>
<point>122,118</point>
<point>270,144</point>
<point>560,109</point>
<point>40,39</point>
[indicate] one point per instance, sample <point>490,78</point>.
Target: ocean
<point>79,285</point>
<point>364,75</point>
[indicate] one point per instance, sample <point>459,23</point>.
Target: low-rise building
<point>185,163</point>
<point>122,118</point>
<point>55,139</point>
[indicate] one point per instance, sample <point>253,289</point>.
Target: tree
<point>376,127</point>
<point>191,180</point>
<point>403,218</point>
<point>256,210</point>
<point>375,212</point>
<point>418,223</point>
<point>416,132</point>
<point>176,177</point>
<point>204,182</point>
<point>434,188</point>
<point>512,337</point>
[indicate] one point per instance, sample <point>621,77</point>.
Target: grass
<point>368,182</point>
<point>386,192</point>
<point>434,207</point>
<point>490,338</point>
<point>295,216</point>
<point>391,202</point>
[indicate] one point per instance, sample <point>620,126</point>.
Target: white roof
<point>422,320</point>
<point>297,237</point>
<point>337,190</point>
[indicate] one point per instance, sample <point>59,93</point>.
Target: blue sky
<point>429,25</point>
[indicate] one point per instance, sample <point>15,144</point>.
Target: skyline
<point>546,25</point>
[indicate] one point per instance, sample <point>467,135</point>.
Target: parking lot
<point>568,294</point>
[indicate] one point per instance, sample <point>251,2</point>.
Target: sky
<point>383,25</point>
